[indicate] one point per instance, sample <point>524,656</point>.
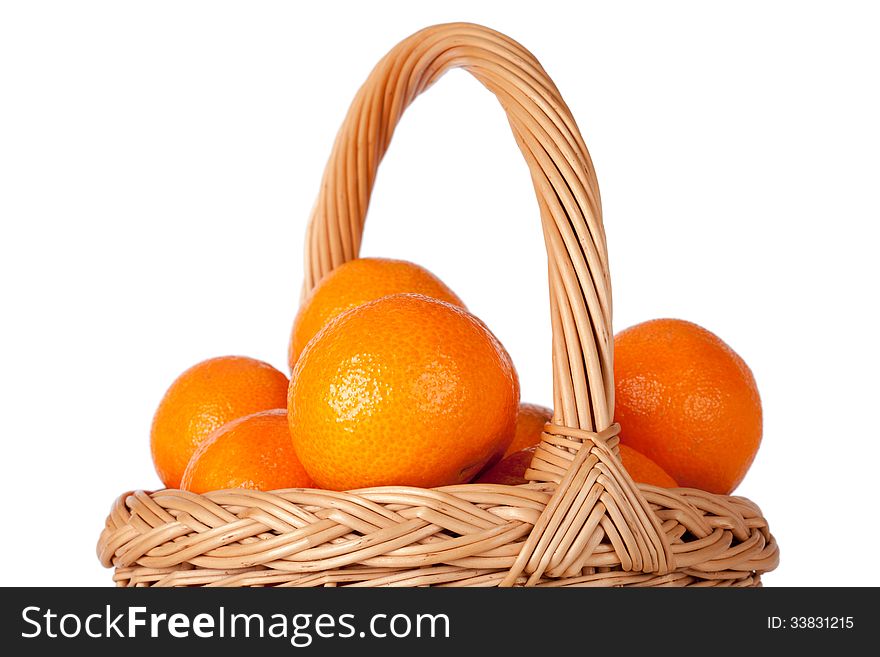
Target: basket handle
<point>580,293</point>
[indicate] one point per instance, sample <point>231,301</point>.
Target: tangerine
<point>404,390</point>
<point>530,421</point>
<point>357,282</point>
<point>204,398</point>
<point>254,451</point>
<point>688,402</point>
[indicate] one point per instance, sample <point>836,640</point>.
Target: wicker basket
<point>581,522</point>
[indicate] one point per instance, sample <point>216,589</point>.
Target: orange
<point>688,402</point>
<point>405,390</point>
<point>254,451</point>
<point>357,282</point>
<point>530,423</point>
<point>204,398</point>
<point>512,469</point>
<point>643,470</point>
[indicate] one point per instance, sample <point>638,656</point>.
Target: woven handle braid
<point>595,496</point>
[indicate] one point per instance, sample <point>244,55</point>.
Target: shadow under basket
<point>581,521</point>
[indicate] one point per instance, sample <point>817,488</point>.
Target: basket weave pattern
<point>581,522</point>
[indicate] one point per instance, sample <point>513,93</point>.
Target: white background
<point>158,162</point>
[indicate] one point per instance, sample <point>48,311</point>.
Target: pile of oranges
<point>393,382</point>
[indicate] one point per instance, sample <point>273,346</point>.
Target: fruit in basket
<point>357,282</point>
<point>643,470</point>
<point>404,390</point>
<point>204,398</point>
<point>530,421</point>
<point>254,451</point>
<point>688,402</point>
<point>511,470</point>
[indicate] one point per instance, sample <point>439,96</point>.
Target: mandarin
<point>405,390</point>
<point>357,282</point>
<point>510,470</point>
<point>204,398</point>
<point>254,451</point>
<point>688,402</point>
<point>643,470</point>
<point>530,421</point>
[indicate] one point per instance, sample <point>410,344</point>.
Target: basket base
<point>441,576</point>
